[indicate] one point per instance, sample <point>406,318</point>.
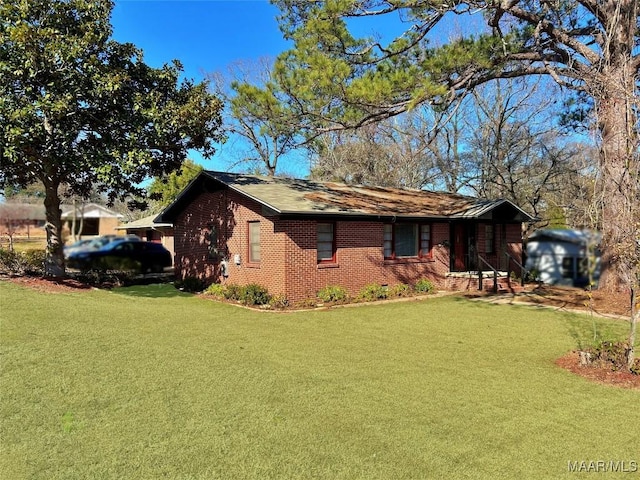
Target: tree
<point>78,108</point>
<point>412,150</point>
<point>515,149</point>
<point>167,188</point>
<point>334,80</point>
<point>253,116</point>
<point>501,141</point>
<point>382,155</point>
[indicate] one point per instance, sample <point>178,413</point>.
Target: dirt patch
<point>617,303</point>
<point>568,298</point>
<point>571,362</point>
<point>48,285</point>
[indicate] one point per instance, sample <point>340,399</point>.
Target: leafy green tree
<point>79,108</point>
<point>167,188</point>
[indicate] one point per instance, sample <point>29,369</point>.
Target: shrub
<point>29,262</point>
<point>611,354</point>
<point>332,293</point>
<point>233,292</point>
<point>216,290</point>
<point>190,284</point>
<point>401,290</point>
<point>107,279</point>
<point>34,261</point>
<point>306,303</point>
<point>117,264</point>
<point>9,261</point>
<point>255,294</point>
<point>424,286</point>
<point>279,301</point>
<point>373,292</point>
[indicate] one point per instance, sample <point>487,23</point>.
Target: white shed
<point>564,257</point>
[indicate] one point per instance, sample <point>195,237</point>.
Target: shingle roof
<point>286,196</point>
<point>143,223</point>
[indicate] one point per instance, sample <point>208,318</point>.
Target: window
<point>254,242</point>
<point>214,254</point>
<point>326,243</point>
<point>567,267</point>
<point>489,239</point>
<point>425,240</point>
<point>405,240</point>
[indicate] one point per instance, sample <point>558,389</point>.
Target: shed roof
<point>143,224</point>
<point>563,235</point>
<point>296,197</point>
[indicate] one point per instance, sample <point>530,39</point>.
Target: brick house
<point>296,236</point>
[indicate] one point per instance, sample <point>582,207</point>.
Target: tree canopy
<point>79,108</point>
<point>166,189</point>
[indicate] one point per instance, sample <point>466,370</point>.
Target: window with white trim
<point>326,247</point>
<point>407,240</point>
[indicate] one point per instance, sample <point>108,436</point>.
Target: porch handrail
<point>495,274</point>
<point>523,270</point>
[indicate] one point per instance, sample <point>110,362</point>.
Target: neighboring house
<point>295,237</point>
<point>564,257</point>
<point>22,219</point>
<point>90,219</point>
<point>151,231</point>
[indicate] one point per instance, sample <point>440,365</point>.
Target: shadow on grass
<point>151,290</point>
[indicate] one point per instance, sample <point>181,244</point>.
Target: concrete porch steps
<point>462,281</point>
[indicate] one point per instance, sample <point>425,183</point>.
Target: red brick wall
<point>288,263</point>
<point>359,259</point>
<point>230,214</point>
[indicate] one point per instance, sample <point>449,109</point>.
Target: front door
<point>459,248</point>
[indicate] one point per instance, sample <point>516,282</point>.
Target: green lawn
<point>150,383</point>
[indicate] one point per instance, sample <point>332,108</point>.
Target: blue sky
<point>205,35</point>
<point>209,35</point>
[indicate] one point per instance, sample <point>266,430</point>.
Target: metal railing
<point>523,270</point>
<point>480,274</point>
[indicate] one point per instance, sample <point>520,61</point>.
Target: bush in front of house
<point>255,294</point>
<point>424,286</point>
<point>279,302</point>
<point>333,293</point>
<point>216,290</point>
<point>233,292</point>
<point>400,290</point>
<point>251,294</point>
<point>373,292</point>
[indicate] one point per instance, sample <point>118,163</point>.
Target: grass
<point>22,244</point>
<point>150,383</point>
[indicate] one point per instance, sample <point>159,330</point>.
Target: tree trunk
<point>619,180</point>
<point>635,317</point>
<point>54,264</point>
